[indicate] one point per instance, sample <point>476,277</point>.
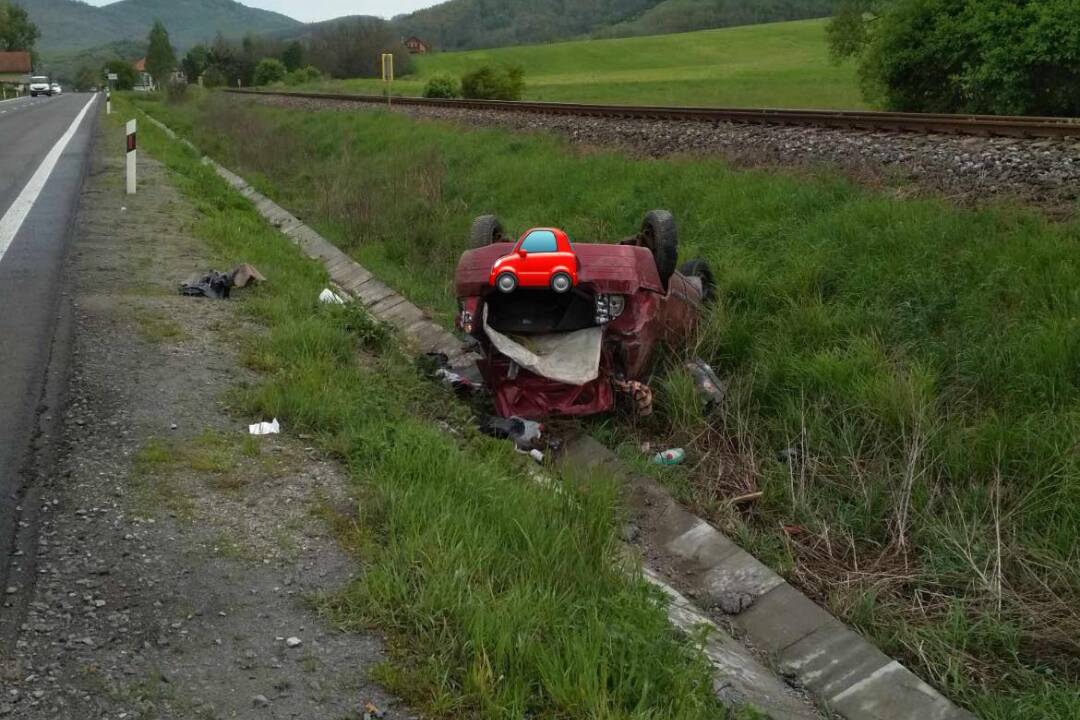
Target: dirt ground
<point>177,557</point>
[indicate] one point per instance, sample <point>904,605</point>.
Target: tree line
<point>1000,57</point>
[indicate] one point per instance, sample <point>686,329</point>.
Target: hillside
<point>673,16</point>
<point>778,65</point>
<point>469,24</point>
<point>68,25</point>
<point>461,24</point>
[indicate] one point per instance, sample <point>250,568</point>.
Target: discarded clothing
<point>217,285</point>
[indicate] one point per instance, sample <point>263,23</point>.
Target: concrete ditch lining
<point>846,674</point>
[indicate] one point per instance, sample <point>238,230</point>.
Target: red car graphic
<point>542,258</point>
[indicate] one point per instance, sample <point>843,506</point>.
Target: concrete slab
<point>895,693</point>
<point>739,679</point>
<point>401,316</point>
<point>782,617</point>
<point>701,544</point>
<point>831,659</point>
<point>372,292</point>
<point>379,308</point>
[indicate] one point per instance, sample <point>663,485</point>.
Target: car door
<point>539,246</point>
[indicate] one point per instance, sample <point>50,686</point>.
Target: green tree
<point>293,56</point>
<point>160,57</point>
<point>17,32</point>
<point>269,70</point>
<point>86,78</point>
<point>195,62</point>
<point>974,56</point>
<point>125,74</point>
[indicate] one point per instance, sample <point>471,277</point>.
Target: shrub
<point>269,70</point>
<point>443,85</point>
<point>176,91</point>
<point>214,77</point>
<point>303,75</point>
<point>494,83</point>
<point>977,56</point>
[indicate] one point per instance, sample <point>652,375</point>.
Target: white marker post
<point>108,101</point>
<point>131,157</point>
<point>388,76</point>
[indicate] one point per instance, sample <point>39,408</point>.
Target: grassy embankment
<point>778,65</point>
<point>501,599</point>
<point>903,374</point>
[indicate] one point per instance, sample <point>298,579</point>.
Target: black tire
<point>486,230</point>
<point>660,235</point>
<point>699,268</point>
<point>567,286</point>
<point>503,283</point>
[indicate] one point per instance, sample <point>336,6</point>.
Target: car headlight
<point>609,307</point>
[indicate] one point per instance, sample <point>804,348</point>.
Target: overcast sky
<point>309,10</point>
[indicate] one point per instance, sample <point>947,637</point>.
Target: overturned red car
<point>547,353</point>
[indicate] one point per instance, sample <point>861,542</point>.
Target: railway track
<point>984,125</point>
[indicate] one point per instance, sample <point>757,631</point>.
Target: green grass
<point>919,360</point>
<point>772,65</point>
<point>501,599</point>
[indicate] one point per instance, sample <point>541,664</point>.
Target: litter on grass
<point>708,385</point>
<point>265,428</point>
<point>329,297</point>
<point>217,285</point>
<point>670,457</point>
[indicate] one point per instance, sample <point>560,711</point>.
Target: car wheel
<point>486,230</point>
<point>660,235</point>
<point>699,268</point>
<point>561,282</point>
<point>506,283</point>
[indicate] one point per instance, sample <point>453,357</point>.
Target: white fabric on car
<point>568,357</point>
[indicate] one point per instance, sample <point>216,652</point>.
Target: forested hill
<point>674,16</point>
<point>465,24</point>
<point>70,25</point>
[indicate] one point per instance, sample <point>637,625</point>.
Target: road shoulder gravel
<point>177,557</point>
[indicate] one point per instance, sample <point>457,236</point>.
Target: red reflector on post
<point>131,143</point>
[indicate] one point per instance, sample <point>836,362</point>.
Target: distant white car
<point>40,85</point>
<point>56,89</point>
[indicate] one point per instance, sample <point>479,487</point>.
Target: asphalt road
<point>44,146</point>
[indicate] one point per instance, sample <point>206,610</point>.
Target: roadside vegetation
<point>777,65</point>
<point>499,598</point>
<point>901,373</point>
<point>969,56</point>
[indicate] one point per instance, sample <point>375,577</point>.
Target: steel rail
<point>985,125</point>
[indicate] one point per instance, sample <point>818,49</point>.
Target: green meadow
<point>902,374</point>
<point>773,65</point>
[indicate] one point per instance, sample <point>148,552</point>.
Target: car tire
<point>486,230</point>
<point>699,268</point>
<point>506,282</point>
<point>561,283</point>
<point>660,235</point>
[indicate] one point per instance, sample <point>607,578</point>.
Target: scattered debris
<point>707,383</point>
<point>265,428</point>
<point>329,297</point>
<point>639,392</point>
<point>733,603</point>
<point>293,642</point>
<point>675,456</point>
<point>216,285</point>
<point>244,274</point>
<point>372,711</point>
<point>526,434</point>
<point>437,365</point>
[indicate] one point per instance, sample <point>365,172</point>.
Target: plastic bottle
<point>670,457</point>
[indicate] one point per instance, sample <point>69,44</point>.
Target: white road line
<point>13,218</point>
